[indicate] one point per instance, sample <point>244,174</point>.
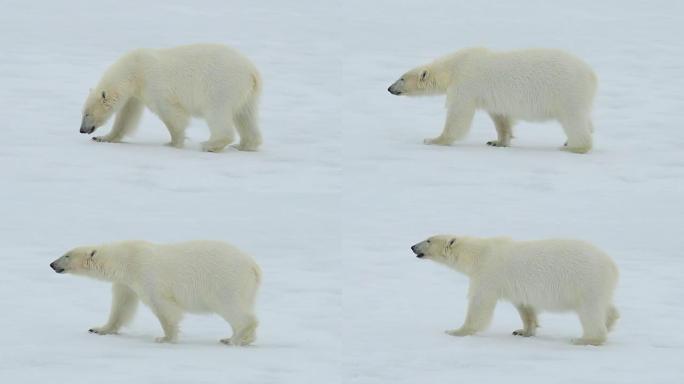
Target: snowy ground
<point>342,188</point>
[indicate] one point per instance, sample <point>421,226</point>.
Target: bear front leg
<point>529,319</point>
<point>176,122</point>
<point>457,125</point>
<point>503,131</point>
<point>222,131</point>
<point>480,311</point>
<point>126,121</point>
<point>169,317</point>
<point>124,305</point>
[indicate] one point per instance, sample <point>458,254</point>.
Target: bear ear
<point>452,242</point>
<point>92,253</point>
<point>424,74</point>
<point>104,95</point>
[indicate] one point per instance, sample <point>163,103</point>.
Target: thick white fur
<point>530,85</point>
<point>195,276</point>
<point>214,82</point>
<point>545,275</point>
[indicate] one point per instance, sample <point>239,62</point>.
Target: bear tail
<point>257,275</point>
<point>256,83</point>
<point>249,104</point>
<point>611,317</point>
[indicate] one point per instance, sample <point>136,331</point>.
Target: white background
<point>341,189</point>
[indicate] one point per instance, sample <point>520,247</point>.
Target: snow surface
<point>342,188</point>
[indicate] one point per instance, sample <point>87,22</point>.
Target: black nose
<point>413,248</point>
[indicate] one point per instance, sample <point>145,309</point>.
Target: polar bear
<point>545,275</point>
<point>194,276</point>
<point>530,85</point>
<point>210,81</point>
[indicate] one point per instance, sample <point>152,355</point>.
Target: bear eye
<point>66,256</point>
<point>428,241</point>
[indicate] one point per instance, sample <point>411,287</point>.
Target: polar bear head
<point>108,262</point>
<point>77,261</point>
<point>439,248</point>
<point>416,82</point>
<point>461,253</point>
<point>99,107</point>
<point>89,261</point>
<point>454,252</point>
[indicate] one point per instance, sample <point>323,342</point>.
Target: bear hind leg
<point>222,132</point>
<point>579,133</point>
<point>246,124</point>
<point>612,316</point>
<point>593,319</point>
<point>244,328</point>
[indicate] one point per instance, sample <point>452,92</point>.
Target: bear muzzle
<point>87,130</point>
<point>87,126</point>
<point>393,91</point>
<point>417,252</point>
<point>57,269</point>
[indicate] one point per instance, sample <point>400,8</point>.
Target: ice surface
<point>342,188</point>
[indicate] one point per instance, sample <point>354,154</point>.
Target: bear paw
<point>104,139</point>
<point>212,146</point>
<point>438,141</point>
<point>523,333</point>
<point>102,331</point>
<point>459,332</point>
<point>584,341</point>
<point>580,150</point>
<point>230,341</point>
<point>175,144</point>
<point>165,339</point>
<point>248,147</point>
<point>495,143</point>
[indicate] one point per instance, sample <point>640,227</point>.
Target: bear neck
<point>112,269</point>
<point>125,77</point>
<point>440,77</point>
<point>467,258</point>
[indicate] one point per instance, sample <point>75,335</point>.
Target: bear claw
<point>521,332</point>
<point>102,331</point>
<point>495,143</point>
